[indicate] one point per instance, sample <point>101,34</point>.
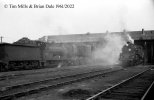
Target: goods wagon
<point>18,57</point>
<point>131,55</point>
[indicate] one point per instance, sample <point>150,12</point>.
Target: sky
<point>94,16</point>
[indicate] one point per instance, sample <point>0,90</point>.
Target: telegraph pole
<point>1,39</point>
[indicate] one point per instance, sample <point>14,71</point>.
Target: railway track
<point>133,88</point>
<point>16,74</point>
<point>35,87</point>
<point>48,79</point>
<point>13,75</point>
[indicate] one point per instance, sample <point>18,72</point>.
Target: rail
<point>45,87</point>
<point>97,96</point>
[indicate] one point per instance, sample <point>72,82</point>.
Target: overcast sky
<point>94,16</point>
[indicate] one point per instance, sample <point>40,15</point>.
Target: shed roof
<point>90,37</point>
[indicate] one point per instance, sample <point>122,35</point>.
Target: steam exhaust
<point>109,53</point>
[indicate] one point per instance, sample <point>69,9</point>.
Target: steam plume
<point>109,53</point>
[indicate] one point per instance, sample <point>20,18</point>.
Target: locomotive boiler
<point>66,53</point>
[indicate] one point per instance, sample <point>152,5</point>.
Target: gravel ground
<point>84,89</point>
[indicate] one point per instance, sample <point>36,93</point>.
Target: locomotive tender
<point>18,57</point>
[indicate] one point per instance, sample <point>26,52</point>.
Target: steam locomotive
<point>21,57</point>
<point>131,55</point>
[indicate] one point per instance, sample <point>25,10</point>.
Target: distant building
<point>71,38</point>
<point>94,37</point>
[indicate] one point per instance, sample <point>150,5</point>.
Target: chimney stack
<point>143,33</point>
<point>107,31</point>
<point>124,31</point>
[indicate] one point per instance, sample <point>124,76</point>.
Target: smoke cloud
<point>108,53</point>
